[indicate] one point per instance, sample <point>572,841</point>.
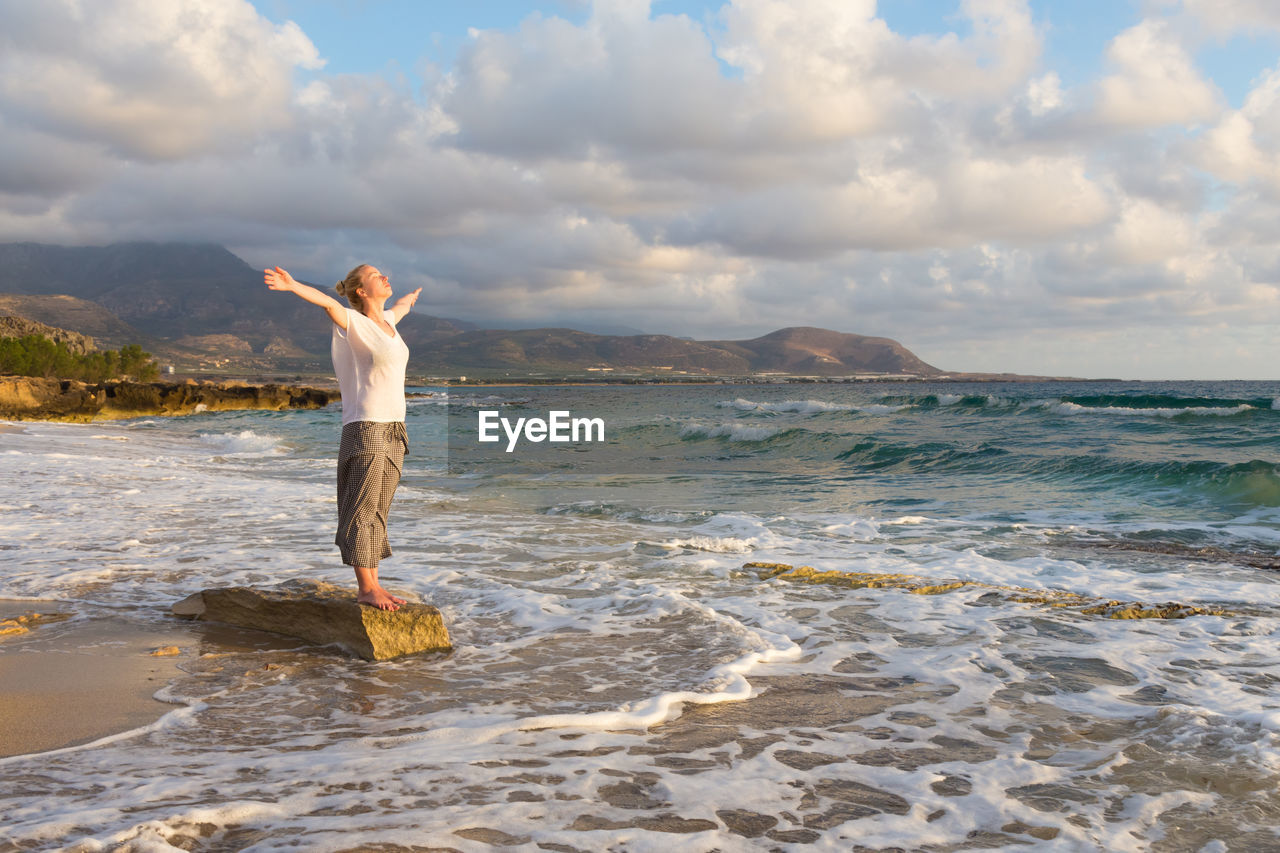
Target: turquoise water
<point>1183,450</point>
<point>624,679</point>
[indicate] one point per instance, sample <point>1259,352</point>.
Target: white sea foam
<point>797,406</point>
<point>1065,408</point>
<point>714,544</point>
<point>243,443</point>
<point>859,529</point>
<point>810,407</point>
<point>731,431</point>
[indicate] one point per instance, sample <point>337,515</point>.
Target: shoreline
<point>24,398</point>
<point>75,681</point>
<point>71,401</point>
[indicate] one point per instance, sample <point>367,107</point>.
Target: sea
<point>642,660</point>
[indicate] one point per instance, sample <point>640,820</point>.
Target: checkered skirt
<point>370,460</point>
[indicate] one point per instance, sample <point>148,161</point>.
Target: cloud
<point>1226,17</point>
<point>148,80</point>
<point>1244,147</point>
<point>774,164</point>
<point>1155,82</point>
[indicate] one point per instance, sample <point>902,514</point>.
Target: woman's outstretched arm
<point>404,303</point>
<point>278,279</point>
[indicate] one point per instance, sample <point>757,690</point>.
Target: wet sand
<point>72,682</point>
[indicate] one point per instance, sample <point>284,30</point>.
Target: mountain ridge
<point>187,299</point>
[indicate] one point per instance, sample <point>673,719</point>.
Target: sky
<point>1062,188</point>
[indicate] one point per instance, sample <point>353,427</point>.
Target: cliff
<point>19,327</point>
<point>80,315</point>
<point>30,398</point>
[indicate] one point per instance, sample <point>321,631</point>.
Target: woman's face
<point>376,286</point>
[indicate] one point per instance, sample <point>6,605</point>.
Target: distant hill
<point>175,291</point>
<point>795,351</point>
<point>822,352</point>
<point>69,312</point>
<point>184,298</point>
<point>569,349</point>
<point>21,327</point>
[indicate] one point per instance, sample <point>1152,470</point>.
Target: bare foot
<point>394,598</point>
<point>380,599</point>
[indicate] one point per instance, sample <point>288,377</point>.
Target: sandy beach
<point>73,682</point>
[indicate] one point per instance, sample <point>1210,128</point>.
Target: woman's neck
<point>374,312</point>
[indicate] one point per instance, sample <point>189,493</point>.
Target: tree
<point>36,355</point>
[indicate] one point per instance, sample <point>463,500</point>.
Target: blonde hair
<point>349,285</point>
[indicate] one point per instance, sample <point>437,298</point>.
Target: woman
<point>369,357</point>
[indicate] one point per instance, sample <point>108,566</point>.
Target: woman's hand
<point>404,303</point>
<point>279,279</point>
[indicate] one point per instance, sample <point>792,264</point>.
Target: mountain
<point>795,351</point>
<point>569,349</point>
<point>69,312</point>
<point>193,293</point>
<point>189,300</point>
<point>821,352</point>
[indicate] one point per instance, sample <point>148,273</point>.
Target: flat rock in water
<point>322,613</point>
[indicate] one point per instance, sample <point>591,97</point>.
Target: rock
<point>1088,605</point>
<point>22,624</point>
<point>13,326</point>
<point>325,614</point>
<point>70,400</point>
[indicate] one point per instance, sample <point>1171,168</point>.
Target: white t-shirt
<point>370,365</point>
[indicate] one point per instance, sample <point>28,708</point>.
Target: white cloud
<point>1148,233</point>
<point>1155,81</point>
<point>1225,17</point>
<point>1245,145</point>
<point>787,164</point>
<point>1044,94</point>
<point>148,80</point>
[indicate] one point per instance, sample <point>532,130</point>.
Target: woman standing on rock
<point>369,357</point>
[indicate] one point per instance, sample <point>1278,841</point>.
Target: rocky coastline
<point>32,398</point>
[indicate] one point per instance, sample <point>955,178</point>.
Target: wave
<point>810,407</point>
<point>957,401</point>
<point>1068,407</point>
<point>1165,401</point>
<point>1142,405</point>
<point>712,544</point>
<point>243,443</point>
<point>733,432</point>
<point>1255,483</point>
<point>881,456</point>
<point>618,512</point>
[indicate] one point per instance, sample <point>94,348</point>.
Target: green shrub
<point>36,355</point>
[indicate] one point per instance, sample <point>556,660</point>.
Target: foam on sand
<point>52,674</point>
